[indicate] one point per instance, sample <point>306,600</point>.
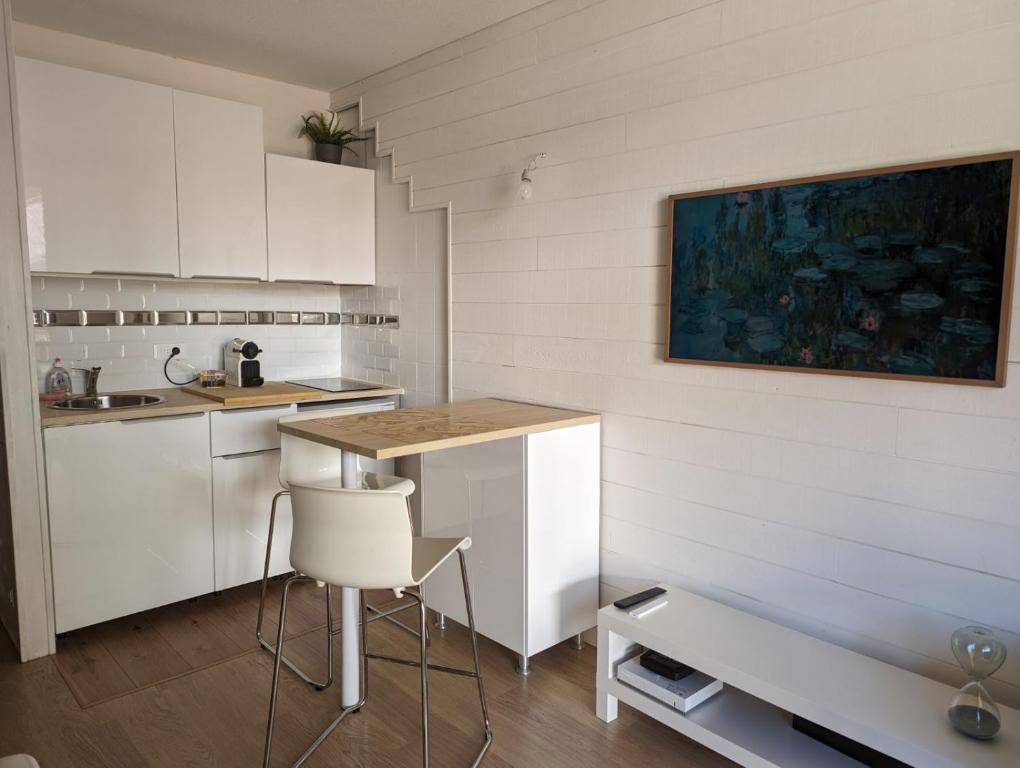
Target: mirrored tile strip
<point>53,318</point>
<point>379,321</point>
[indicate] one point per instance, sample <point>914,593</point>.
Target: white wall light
<point>526,183</point>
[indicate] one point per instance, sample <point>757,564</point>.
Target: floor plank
<point>89,668</point>
<point>190,630</point>
<point>140,650</point>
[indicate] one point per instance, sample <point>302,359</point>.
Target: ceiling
<point>323,44</point>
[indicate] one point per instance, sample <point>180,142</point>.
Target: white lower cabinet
<point>478,491</point>
<point>243,490</point>
<point>150,511</point>
<point>130,508</point>
<point>531,507</point>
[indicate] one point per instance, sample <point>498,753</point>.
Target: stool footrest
<point>388,615</point>
<point>412,663</point>
<point>325,734</point>
<point>318,685</point>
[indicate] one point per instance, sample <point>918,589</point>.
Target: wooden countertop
<point>407,431</point>
<point>180,402</point>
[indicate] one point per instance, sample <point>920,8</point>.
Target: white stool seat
<point>18,761</point>
<point>429,554</point>
<point>371,481</point>
<point>375,481</point>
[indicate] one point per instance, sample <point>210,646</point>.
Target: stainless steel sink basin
<point>106,402</point>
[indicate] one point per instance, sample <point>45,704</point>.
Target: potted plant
<point>329,136</point>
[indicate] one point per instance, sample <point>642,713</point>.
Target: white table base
<point>350,667</point>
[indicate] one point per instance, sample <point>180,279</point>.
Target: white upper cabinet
<point>321,221</point>
<point>127,177</point>
<point>98,160</point>
<point>221,191</point>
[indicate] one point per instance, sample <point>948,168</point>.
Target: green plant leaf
<point>327,130</point>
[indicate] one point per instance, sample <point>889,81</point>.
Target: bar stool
<point>363,540</point>
<point>302,461</point>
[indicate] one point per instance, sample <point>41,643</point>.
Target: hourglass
<point>971,710</point>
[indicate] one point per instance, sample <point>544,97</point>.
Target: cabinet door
<point>478,491</point>
<point>321,221</point>
<point>563,533</point>
<point>221,187</point>
<point>243,490</point>
<point>130,507</point>
<point>98,159</point>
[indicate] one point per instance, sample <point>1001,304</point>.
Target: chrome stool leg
<point>422,614</point>
<point>276,681</point>
<point>422,663</point>
<point>388,615</point>
<point>474,650</point>
<point>319,685</point>
<point>274,694</point>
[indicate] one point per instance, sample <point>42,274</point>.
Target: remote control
<point>641,610</point>
<point>629,602</point>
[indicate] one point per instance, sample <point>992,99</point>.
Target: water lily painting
<point>898,272</point>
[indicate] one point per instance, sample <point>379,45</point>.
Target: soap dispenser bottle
<point>58,382</point>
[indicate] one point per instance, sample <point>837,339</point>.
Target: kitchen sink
<point>106,402</point>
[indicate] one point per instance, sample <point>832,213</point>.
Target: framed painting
<point>902,272</point>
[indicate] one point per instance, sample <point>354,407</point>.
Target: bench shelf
<point>771,672</point>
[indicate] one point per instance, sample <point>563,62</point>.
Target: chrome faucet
<point>91,380</point>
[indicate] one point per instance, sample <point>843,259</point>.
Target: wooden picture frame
<point>866,342</point>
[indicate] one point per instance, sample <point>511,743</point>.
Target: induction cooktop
<point>336,384</point>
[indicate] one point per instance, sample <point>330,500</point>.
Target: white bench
<point>770,671</point>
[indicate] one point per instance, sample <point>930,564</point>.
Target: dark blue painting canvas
<point>901,273</point>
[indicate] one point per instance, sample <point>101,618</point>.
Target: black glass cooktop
<point>335,384</point>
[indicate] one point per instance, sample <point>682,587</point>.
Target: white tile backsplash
<point>127,354</point>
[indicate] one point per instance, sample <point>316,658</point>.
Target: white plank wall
<point>878,514</point>
<point>411,277</point>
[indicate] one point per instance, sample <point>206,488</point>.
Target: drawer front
<point>246,430</point>
<point>243,491</point>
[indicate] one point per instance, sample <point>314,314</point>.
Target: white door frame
<point>35,630</point>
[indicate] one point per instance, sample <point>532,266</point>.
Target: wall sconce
<point>525,188</point>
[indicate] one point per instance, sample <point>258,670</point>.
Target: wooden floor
<point>185,687</point>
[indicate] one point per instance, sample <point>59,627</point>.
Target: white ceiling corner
<point>323,44</point>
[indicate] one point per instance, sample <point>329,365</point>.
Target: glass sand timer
<point>971,710</point>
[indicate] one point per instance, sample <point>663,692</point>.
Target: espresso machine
<point>240,360</point>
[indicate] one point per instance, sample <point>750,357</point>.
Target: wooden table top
<point>407,431</point>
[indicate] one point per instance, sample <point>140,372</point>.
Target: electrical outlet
<point>163,351</point>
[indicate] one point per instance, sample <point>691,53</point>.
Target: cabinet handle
<point>234,456</point>
<point>306,282</point>
<point>131,274</point>
<point>256,278</point>
<point>250,408</point>
<point>163,418</point>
